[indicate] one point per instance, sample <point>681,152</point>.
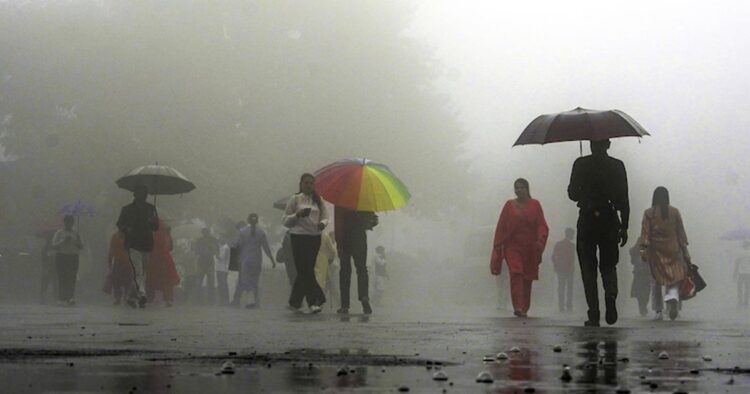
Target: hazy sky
<point>679,68</point>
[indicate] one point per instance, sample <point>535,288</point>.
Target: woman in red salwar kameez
<point>161,274</point>
<point>520,238</point>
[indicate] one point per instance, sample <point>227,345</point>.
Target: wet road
<point>182,349</point>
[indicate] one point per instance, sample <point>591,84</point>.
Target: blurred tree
<point>241,96</point>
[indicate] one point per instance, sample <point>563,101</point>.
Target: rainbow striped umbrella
<point>361,185</point>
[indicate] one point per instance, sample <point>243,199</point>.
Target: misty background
<point>244,96</point>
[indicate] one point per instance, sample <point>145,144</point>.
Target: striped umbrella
<point>361,185</point>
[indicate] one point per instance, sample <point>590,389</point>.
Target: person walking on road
<point>306,217</point>
<point>67,244</point>
<point>251,241</point>
<point>664,246</point>
<point>599,184</point>
<point>207,249</point>
<point>563,258</point>
<point>351,241</point>
<point>161,274</point>
<point>138,221</point>
<point>520,238</point>
<point>119,272</point>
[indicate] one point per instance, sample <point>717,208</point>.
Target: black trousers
<point>598,233</point>
<point>357,253</point>
<point>67,270</point>
<point>305,250</point>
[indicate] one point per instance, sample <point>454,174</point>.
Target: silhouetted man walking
<point>599,185</point>
<point>138,221</point>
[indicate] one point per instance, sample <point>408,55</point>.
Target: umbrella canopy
<point>580,125</point>
<point>361,185</point>
<point>78,208</point>
<point>738,234</point>
<point>160,180</point>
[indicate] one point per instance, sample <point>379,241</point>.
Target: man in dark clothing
<point>138,221</point>
<point>599,185</point>
<point>351,242</point>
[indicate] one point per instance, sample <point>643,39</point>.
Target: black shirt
<point>138,221</point>
<point>600,183</point>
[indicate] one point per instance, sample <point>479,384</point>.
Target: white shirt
<point>307,225</point>
<point>221,263</point>
<point>67,242</point>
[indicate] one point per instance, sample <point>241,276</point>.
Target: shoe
<point>315,309</point>
<point>142,301</point>
<point>672,309</point>
<point>366,308</point>
<point>294,309</point>
<point>611,315</point>
<point>659,316</point>
<point>519,313</point>
<point>591,323</point>
<point>251,306</point>
<point>343,311</point>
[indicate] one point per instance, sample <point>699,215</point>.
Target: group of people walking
<point>598,184</point>
<point>140,261</point>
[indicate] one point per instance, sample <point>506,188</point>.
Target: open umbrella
<point>159,179</point>
<point>77,208</point>
<point>738,234</point>
<point>361,185</point>
<point>580,125</point>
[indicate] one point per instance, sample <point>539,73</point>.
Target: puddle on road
<point>604,366</point>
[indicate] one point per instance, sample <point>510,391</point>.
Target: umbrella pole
<point>580,147</point>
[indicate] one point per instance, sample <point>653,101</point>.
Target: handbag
<point>234,259</point>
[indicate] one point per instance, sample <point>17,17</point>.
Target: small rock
<point>663,356</point>
<point>515,349</point>
<point>653,386</point>
<point>624,360</point>
<point>680,391</point>
<point>403,389</point>
<point>440,376</point>
<point>502,356</point>
<point>344,372</point>
<point>529,390</point>
<point>622,390</point>
<point>232,353</point>
<point>227,368</point>
<point>557,348</point>
<point>695,371</point>
<point>488,359</point>
<point>731,380</point>
<point>484,377</point>
<point>707,358</point>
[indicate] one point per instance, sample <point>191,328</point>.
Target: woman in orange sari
<point>161,274</point>
<point>520,238</point>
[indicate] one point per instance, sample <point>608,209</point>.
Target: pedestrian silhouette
<point>598,183</point>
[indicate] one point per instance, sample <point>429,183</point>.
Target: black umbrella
<point>580,125</point>
<point>160,180</point>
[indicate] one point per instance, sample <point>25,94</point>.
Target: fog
<point>244,96</point>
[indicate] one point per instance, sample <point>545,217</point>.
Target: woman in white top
<point>306,216</point>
